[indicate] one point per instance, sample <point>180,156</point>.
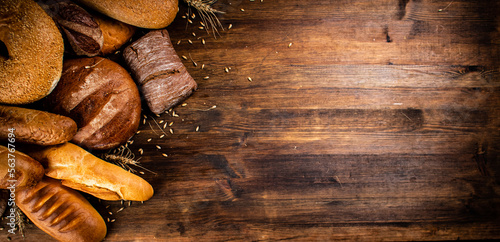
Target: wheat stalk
<point>124,157</point>
<point>207,14</point>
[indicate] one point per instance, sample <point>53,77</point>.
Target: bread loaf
<point>158,71</point>
<point>82,171</point>
<point>103,100</point>
<point>150,14</point>
<point>19,169</point>
<point>33,63</point>
<point>61,212</point>
<point>115,33</point>
<point>35,127</point>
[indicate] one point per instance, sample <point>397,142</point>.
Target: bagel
<point>149,14</point>
<point>32,57</point>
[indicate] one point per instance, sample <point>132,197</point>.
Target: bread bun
<point>33,65</point>
<point>115,33</point>
<point>35,127</point>
<point>103,100</point>
<point>27,171</point>
<point>83,171</point>
<point>61,212</point>
<point>159,72</point>
<point>152,14</point>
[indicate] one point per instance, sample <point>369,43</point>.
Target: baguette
<point>82,171</point>
<point>25,171</point>
<point>35,127</point>
<point>61,212</point>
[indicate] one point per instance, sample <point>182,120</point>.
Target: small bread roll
<point>25,171</point>
<point>33,64</point>
<point>115,33</point>
<point>82,171</point>
<point>103,100</point>
<point>151,14</point>
<point>35,127</point>
<point>61,212</point>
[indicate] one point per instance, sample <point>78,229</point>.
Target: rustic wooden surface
<point>379,122</point>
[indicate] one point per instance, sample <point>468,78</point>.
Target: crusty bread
<point>61,212</point>
<point>103,100</point>
<point>35,52</point>
<point>151,14</point>
<point>159,72</point>
<point>114,32</point>
<point>83,171</point>
<point>26,171</point>
<point>35,127</point>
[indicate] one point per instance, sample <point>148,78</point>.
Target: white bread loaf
<point>82,171</point>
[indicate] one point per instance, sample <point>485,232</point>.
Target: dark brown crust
<point>61,212</point>
<point>28,172</point>
<point>103,100</point>
<point>36,49</point>
<point>35,127</point>
<point>158,70</point>
<point>81,30</point>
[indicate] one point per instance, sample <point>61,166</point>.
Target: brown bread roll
<point>27,171</point>
<point>32,64</point>
<point>61,212</point>
<point>151,14</point>
<point>82,171</point>
<point>115,33</point>
<point>103,100</point>
<point>159,72</point>
<point>35,127</point>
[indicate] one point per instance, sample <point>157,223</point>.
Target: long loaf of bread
<point>82,171</point>
<point>61,212</point>
<point>35,127</point>
<point>18,169</point>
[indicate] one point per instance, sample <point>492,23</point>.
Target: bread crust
<point>83,171</point>
<point>115,33</point>
<point>103,100</point>
<point>35,48</point>
<point>61,212</point>
<point>35,127</point>
<point>152,14</point>
<point>27,171</point>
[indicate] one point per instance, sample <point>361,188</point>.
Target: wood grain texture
<point>379,122</point>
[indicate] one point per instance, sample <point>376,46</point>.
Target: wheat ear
<point>207,14</point>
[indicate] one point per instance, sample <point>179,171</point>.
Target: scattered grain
<point>197,128</point>
<point>249,79</point>
<point>141,151</point>
<point>206,78</point>
<point>161,136</point>
<point>226,69</point>
<point>189,41</point>
<point>179,42</point>
<point>149,140</point>
<point>165,155</point>
<point>184,57</point>
<point>203,41</point>
<point>171,131</point>
<point>170,124</point>
<point>243,10</point>
<point>230,26</point>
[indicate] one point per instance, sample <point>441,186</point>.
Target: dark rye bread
<point>61,212</point>
<point>159,72</point>
<point>103,100</point>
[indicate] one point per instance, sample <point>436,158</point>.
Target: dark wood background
<point>379,122</point>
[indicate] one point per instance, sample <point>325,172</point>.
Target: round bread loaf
<point>115,33</point>
<point>152,14</point>
<point>103,100</point>
<point>32,54</point>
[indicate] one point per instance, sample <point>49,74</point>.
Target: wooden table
<point>363,120</point>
